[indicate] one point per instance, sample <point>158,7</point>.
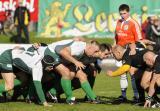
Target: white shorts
<point>118,63</point>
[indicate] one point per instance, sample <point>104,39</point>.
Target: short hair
<point>94,42</point>
<point>124,7</point>
<point>105,46</point>
<point>149,54</point>
<point>117,48</point>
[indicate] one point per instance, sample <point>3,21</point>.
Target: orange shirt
<point>127,31</point>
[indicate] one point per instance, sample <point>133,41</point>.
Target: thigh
<point>63,70</point>
<point>8,78</point>
<point>23,77</point>
<point>146,78</point>
<point>81,76</point>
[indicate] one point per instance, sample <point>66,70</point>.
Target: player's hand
<point>49,68</point>
<point>109,73</point>
<point>46,104</point>
<point>36,45</point>
<point>79,65</point>
<point>147,104</point>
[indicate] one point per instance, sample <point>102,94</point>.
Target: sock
<point>2,87</point>
<point>123,84</point>
<point>123,90</point>
<point>134,87</point>
<point>91,80</point>
<point>53,91</point>
<point>87,88</point>
<point>66,85</point>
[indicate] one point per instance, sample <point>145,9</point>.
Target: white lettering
<point>29,5</point>
<point>11,5</point>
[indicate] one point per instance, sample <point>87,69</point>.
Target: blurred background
<point>52,20</point>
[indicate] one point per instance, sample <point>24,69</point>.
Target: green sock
<point>2,87</point>
<point>53,91</point>
<point>31,90</point>
<point>66,85</point>
<point>17,82</point>
<point>88,90</point>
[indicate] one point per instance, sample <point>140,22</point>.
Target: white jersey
<point>77,47</point>
<point>53,46</point>
<point>32,60</point>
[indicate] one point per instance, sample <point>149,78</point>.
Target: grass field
<point>105,86</point>
<point>34,38</point>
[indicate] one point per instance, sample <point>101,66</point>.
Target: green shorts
<point>6,62</point>
<point>18,63</point>
<point>54,55</point>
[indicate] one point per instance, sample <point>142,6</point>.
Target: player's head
<point>48,62</point>
<point>20,2</point>
<point>118,52</point>
<point>37,45</point>
<point>92,48</point>
<point>104,52</point>
<point>149,58</point>
<point>124,11</point>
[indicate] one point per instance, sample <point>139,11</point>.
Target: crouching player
<point>131,63</point>
<point>153,61</point>
<point>6,70</point>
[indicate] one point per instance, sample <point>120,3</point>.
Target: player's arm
<point>147,42</point>
<point>28,13</point>
<point>152,85</point>
<point>155,30</point>
<point>66,54</point>
<point>152,88</point>
<point>124,68</point>
<point>136,31</point>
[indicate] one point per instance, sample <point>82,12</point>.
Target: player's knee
<point>82,78</point>
<point>66,73</point>
<point>144,84</point>
<point>9,87</point>
<point>72,75</point>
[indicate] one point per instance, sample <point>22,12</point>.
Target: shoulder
<point>79,44</point>
<point>133,22</point>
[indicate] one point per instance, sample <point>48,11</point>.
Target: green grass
<point>34,38</point>
<point>105,86</point>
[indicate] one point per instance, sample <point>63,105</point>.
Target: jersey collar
<point>128,19</point>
